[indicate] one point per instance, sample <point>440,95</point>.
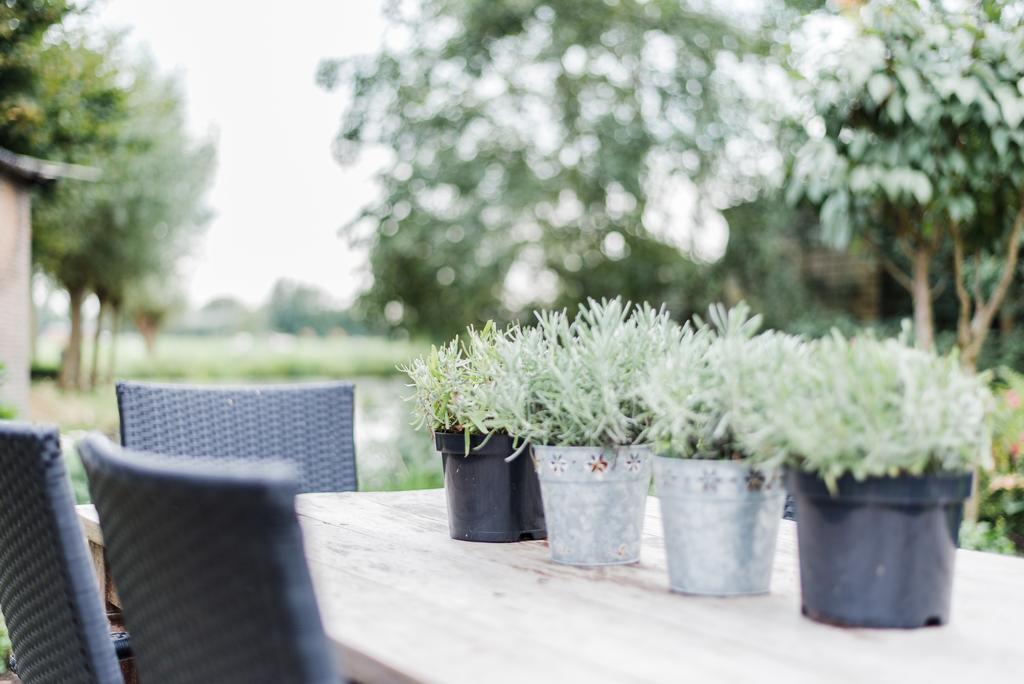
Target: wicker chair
<point>209,564</point>
<point>310,424</point>
<point>48,590</point>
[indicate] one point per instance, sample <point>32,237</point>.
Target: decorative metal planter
<point>594,501</point>
<point>721,519</point>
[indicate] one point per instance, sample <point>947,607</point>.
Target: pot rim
<point>925,489</point>
<point>455,443</point>
<point>581,449</point>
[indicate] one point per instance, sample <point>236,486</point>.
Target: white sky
<point>248,71</point>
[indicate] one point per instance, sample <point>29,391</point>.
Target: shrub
<point>578,382</point>
<point>692,389</point>
<point>1001,489</point>
<point>867,407</point>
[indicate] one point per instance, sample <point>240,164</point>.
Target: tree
<point>82,106</point>
<point>294,307</point>
<point>528,140</point>
<point>916,148</point>
<point>132,227</point>
<point>22,27</point>
<point>149,303</point>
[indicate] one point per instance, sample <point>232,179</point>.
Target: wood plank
<point>399,597</point>
<point>405,603</point>
<point>90,522</point>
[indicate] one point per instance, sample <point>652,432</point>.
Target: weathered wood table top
<point>404,602</point>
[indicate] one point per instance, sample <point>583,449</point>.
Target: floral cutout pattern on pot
<point>633,462</point>
<point>755,480</point>
<point>597,463</point>
<point>558,464</point>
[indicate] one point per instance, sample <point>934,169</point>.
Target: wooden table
<point>403,602</point>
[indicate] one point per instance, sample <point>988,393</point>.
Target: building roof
<point>41,171</point>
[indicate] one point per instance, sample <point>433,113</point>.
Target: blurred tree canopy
<point>295,308</point>
<point>23,25</point>
<point>916,147</point>
<point>547,150</point>
<point>71,95</point>
<point>122,237</point>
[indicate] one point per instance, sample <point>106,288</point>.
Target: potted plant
<point>882,439</point>
<point>720,504</point>
<point>491,498</point>
<point>572,387</point>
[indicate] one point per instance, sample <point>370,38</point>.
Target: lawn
<point>244,356</point>
<point>390,455</point>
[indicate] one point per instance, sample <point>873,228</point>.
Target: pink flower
<point>1013,399</point>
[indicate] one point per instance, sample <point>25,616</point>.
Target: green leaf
<point>1012,106</point>
<point>917,105</point>
<point>879,87</point>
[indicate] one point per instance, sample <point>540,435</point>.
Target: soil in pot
<point>594,501</point>
<point>880,552</point>
<point>489,499</point>
<point>721,520</point>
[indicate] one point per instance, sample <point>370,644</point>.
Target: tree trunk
<point>1007,319</point>
<point>973,328</point>
<point>94,372</point>
<point>148,330</point>
<point>115,332</point>
<point>70,367</point>
<point>921,293</point>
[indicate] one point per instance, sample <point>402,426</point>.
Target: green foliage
<point>453,384</point>
<point>921,115</point>
<point>1002,487</point>
<point>529,139</point>
<point>23,25</point>
<point>579,381</point>
<point>294,308</point>
<point>692,390</point>
<point>137,221</point>
<point>984,536</point>
<point>868,407</point>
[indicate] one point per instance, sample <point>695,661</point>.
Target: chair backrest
<point>208,562</point>
<point>48,590</point>
<point>309,424</point>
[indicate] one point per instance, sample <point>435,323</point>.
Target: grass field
<point>245,357</point>
<point>389,454</point>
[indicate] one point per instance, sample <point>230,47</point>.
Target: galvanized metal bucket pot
<point>594,501</point>
<point>721,519</point>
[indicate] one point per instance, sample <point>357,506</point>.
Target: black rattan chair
<point>209,564</point>
<point>48,590</point>
<point>309,424</point>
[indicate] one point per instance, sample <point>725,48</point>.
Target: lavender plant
<point>451,383</point>
<point>691,391</point>
<point>578,382</point>
<point>867,407</point>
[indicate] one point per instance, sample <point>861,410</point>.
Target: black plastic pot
<point>880,552</point>
<point>490,500</point>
